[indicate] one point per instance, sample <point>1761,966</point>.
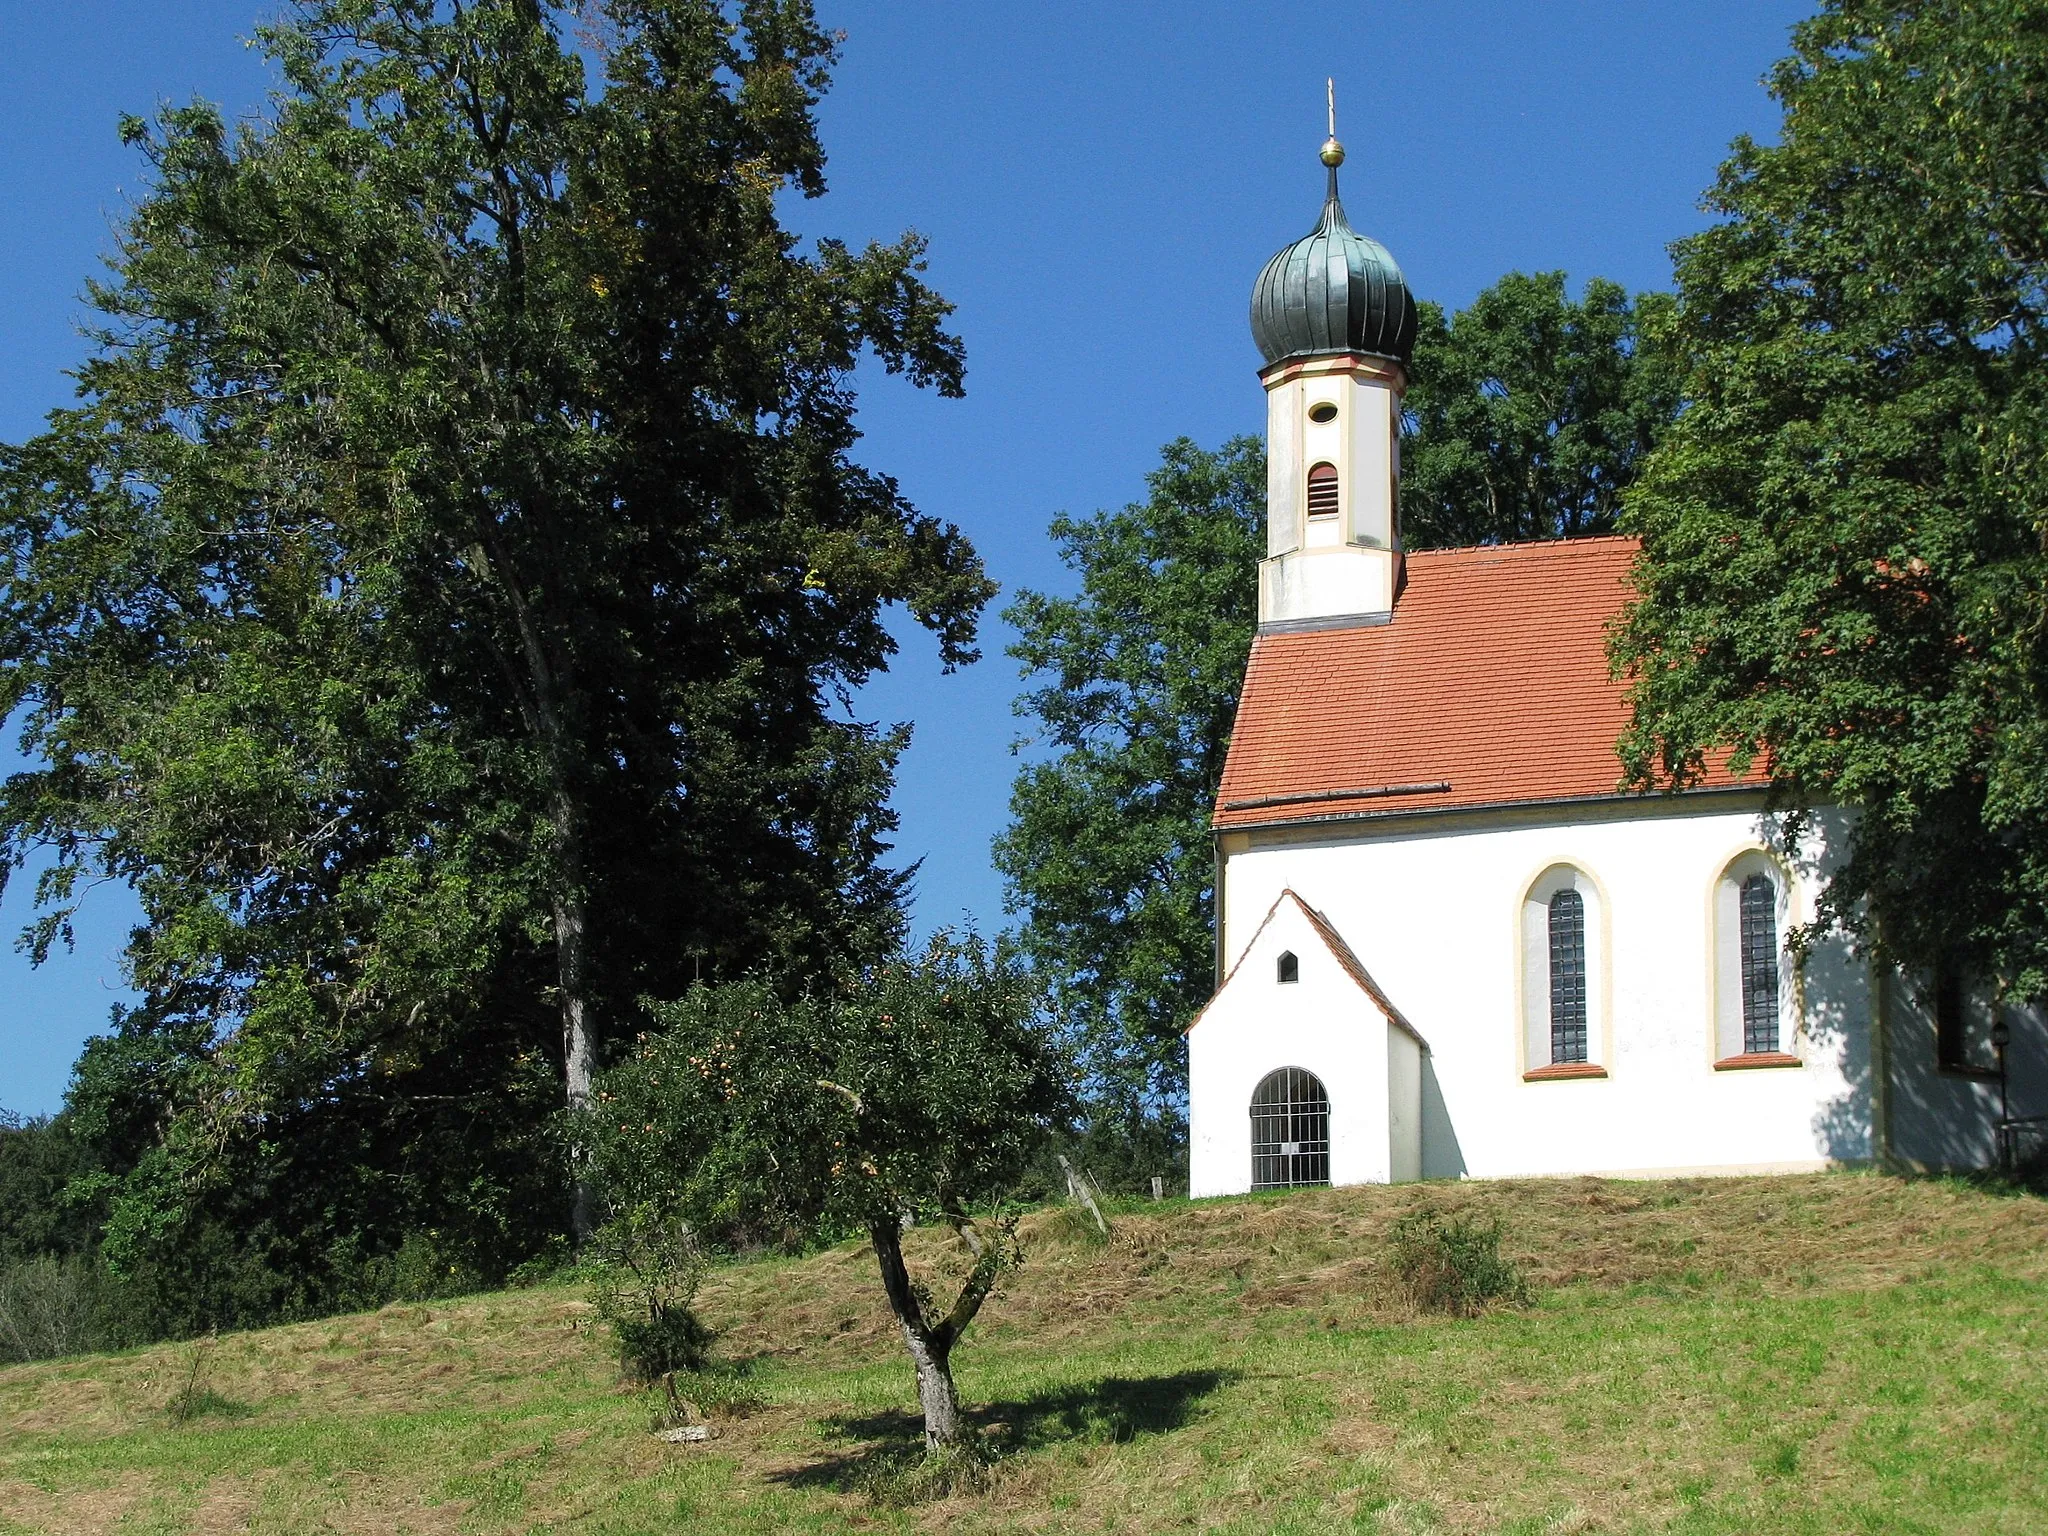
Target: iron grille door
<point>1290,1131</point>
<point>1759,965</point>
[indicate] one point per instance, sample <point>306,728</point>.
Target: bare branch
<point>844,1092</point>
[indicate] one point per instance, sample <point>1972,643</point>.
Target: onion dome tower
<point>1335,323</point>
<point>1333,291</point>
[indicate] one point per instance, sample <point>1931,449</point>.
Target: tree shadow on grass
<point>1109,1410</point>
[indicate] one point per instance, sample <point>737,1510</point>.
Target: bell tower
<point>1335,323</point>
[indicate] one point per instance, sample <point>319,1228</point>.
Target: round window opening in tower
<point>1322,491</point>
<point>1321,412</point>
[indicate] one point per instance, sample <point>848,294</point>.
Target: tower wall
<point>1345,566</point>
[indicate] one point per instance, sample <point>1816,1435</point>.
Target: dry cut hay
<point>1325,1249</point>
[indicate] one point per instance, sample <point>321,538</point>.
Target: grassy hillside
<point>1826,1354</point>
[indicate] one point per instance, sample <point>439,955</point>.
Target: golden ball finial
<point>1333,152</point>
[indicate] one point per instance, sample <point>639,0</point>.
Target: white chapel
<point>1448,944</point>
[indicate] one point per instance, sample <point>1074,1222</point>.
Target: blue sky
<point>1100,184</point>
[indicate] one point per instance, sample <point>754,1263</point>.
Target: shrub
<point>196,1400</point>
<point>50,1307</point>
<point>1453,1263</point>
<point>1121,1148</point>
<point>554,1261</point>
<point>902,1479</point>
<point>648,1265</point>
<point>424,1269</point>
<point>728,1391</point>
<point>723,1389</point>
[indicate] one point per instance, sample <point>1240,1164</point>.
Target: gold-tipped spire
<point>1333,152</point>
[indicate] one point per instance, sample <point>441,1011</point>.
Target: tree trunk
<point>935,1392</point>
<point>572,957</point>
<point>931,1348</point>
<point>543,706</point>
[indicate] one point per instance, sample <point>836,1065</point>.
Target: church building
<point>1448,943</point>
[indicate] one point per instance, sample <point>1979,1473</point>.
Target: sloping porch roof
<point>1346,958</point>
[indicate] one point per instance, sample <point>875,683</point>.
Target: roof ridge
<point>1515,546</point>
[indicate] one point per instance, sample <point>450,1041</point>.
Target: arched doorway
<point>1290,1130</point>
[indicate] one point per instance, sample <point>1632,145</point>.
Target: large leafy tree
<point>440,602</point>
<point>1107,854</point>
<point>1844,581</point>
<point>1529,412</point>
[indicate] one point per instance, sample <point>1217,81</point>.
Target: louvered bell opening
<point>1322,491</point>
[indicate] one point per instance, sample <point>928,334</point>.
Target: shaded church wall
<point>1839,1008</point>
<point>1442,1157</point>
<point>1946,1119</point>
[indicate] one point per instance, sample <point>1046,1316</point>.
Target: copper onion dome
<point>1332,291</point>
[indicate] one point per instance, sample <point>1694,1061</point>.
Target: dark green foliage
<point>1107,854</point>
<point>39,1159</point>
<point>1529,414</point>
<point>929,1084</point>
<point>1845,573</point>
<point>295,1236</point>
<point>438,604</point>
<point>422,1269</point>
<point>55,1299</point>
<point>1453,1263</point>
<point>648,1265</point>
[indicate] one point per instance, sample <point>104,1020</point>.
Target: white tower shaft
<point>1333,447</point>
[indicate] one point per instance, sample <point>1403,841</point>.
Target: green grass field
<point>1835,1353</point>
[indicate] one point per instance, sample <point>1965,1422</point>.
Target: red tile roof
<point>1490,686</point>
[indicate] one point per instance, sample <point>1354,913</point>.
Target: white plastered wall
<point>1323,1022</point>
<point>1434,908</point>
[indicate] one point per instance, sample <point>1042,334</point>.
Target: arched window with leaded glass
<point>1567,935</point>
<point>1563,971</point>
<point>1756,1003</point>
<point>1290,1130</point>
<point>1757,920</point>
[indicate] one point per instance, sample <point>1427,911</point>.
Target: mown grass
<point>1827,1354</point>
